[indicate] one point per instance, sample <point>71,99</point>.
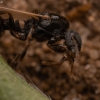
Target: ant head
<point>73,41</point>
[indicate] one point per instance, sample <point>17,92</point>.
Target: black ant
<point>53,28</point>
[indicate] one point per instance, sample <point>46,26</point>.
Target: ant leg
<point>23,33</point>
<point>15,63</point>
<point>61,49</point>
<point>18,59</point>
<point>1,28</point>
<point>64,58</point>
<point>57,48</point>
<point>15,28</point>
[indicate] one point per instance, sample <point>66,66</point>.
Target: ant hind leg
<point>1,27</point>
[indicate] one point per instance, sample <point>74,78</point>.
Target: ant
<point>52,29</point>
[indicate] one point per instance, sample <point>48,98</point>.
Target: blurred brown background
<point>55,81</point>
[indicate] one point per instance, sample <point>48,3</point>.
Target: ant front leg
<point>57,48</point>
